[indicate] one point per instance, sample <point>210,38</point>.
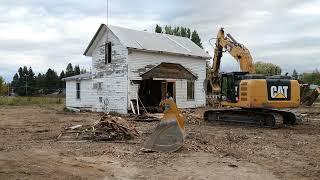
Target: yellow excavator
<point>253,99</point>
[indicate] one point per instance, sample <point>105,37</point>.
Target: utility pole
<point>26,86</point>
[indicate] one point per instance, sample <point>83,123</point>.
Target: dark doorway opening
<point>152,92</point>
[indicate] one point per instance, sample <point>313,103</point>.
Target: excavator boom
<point>237,50</point>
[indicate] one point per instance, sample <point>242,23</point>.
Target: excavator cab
<point>230,86</point>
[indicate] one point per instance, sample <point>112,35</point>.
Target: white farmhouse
<point>130,66</point>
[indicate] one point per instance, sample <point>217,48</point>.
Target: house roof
<point>78,77</point>
<point>147,41</point>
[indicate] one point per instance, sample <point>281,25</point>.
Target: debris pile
<point>109,128</point>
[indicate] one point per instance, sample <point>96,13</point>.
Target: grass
<point>22,101</point>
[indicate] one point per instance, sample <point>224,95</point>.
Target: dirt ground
<point>29,150</point>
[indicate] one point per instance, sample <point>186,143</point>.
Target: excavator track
<point>268,118</point>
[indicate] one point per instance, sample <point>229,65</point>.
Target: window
<point>99,85</point>
<point>78,90</point>
<point>95,86</point>
<point>107,53</point>
<point>100,99</point>
<point>190,90</point>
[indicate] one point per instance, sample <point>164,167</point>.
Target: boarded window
<point>190,90</point>
<point>78,90</point>
<point>108,54</point>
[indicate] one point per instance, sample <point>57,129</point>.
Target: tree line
<point>272,69</point>
<point>310,78</point>
<point>180,31</point>
<point>267,68</point>
<point>26,83</point>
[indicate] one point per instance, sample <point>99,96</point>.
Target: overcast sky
<point>50,34</point>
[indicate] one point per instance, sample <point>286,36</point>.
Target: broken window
<point>107,53</point>
<point>78,90</point>
<point>190,90</point>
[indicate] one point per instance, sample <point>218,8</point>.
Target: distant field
<point>18,101</point>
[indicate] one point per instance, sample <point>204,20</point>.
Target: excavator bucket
<point>169,135</point>
<point>310,98</point>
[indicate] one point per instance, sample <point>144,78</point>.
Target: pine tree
<point>83,71</point>
<point>168,30</point>
<point>183,31</point>
<point>158,29</point>
<point>295,74</point>
<point>51,81</point>
<point>62,83</point>
<point>69,70</point>
<point>62,75</point>
<point>22,87</point>
<point>39,83</point>
<point>196,39</point>
<point>15,82</point>
<point>76,70</point>
<point>188,35</point>
<point>176,31</point>
<point>31,81</point>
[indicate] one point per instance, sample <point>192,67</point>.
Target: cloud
<point>45,34</point>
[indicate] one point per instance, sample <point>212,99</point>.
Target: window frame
<point>78,90</point>
<point>190,97</point>
<point>108,53</point>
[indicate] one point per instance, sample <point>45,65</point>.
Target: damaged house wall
<point>112,78</point>
<point>112,75</point>
<point>140,62</point>
<point>134,53</point>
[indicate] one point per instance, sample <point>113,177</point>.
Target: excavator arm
<point>238,51</point>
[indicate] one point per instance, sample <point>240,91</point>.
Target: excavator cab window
<point>228,88</point>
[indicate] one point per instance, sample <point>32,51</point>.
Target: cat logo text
<point>279,92</point>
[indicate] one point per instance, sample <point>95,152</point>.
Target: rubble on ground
<point>148,117</point>
<point>109,128</point>
<point>193,116</point>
